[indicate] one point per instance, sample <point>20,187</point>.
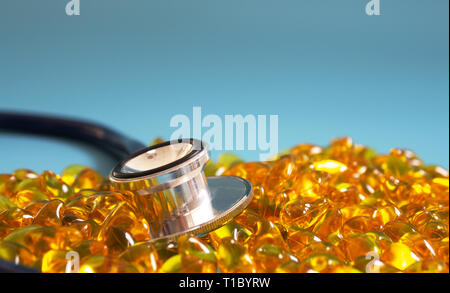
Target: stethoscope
<point>167,179</point>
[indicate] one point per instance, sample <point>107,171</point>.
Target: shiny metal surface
<point>172,192</point>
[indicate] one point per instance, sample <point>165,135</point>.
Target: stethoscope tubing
<point>114,143</point>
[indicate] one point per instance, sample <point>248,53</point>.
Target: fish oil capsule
<point>418,244</point>
<point>232,257</point>
<point>359,245</point>
<point>382,240</point>
<point>5,203</point>
<point>312,185</point>
<point>255,172</point>
<point>105,264</point>
<point>102,203</point>
<point>318,263</point>
<point>435,230</point>
<point>7,183</point>
<point>196,256</point>
<point>396,229</point>
<point>22,174</point>
<point>50,214</point>
<point>15,218</point>
<point>52,185</point>
<point>266,233</point>
<point>268,257</point>
<point>280,176</point>
<point>329,225</point>
<point>399,256</point>
<point>298,238</point>
<point>56,261</point>
<point>25,197</point>
<point>16,253</point>
<point>87,179</point>
<point>372,264</point>
<point>302,214</point>
<point>172,265</point>
<point>357,225</point>
<point>427,266</point>
<point>43,239</point>
<point>231,230</point>
<point>345,195</point>
<point>143,257</point>
<point>91,247</point>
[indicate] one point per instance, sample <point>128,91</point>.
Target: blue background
<point>325,67</point>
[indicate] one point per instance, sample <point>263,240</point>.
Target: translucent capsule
<point>281,175</point>
<point>329,166</point>
<point>427,266</point>
<point>172,265</point>
<point>305,152</point>
<point>231,230</point>
<point>386,214</point>
<point>22,174</point>
<point>43,239</point>
<point>26,197</point>
<point>106,264</point>
<point>89,228</point>
<point>91,247</point>
<point>16,218</point>
<point>5,203</point>
<point>302,214</point>
<point>196,256</point>
<point>255,172</point>
<point>359,245</point>
<point>268,257</point>
<point>382,240</point>
<point>372,264</point>
<point>7,183</point>
<point>266,233</point>
<point>123,220</point>
<point>312,185</point>
<point>102,203</point>
<point>315,248</point>
<point>418,244</point>
<point>342,149</point>
<point>143,257</point>
<point>345,195</point>
<point>435,230</point>
<point>319,262</point>
<point>78,209</point>
<point>16,253</point>
<point>396,229</point>
<point>56,261</point>
<point>399,256</point>
<point>87,179</point>
<point>290,266</point>
<point>357,225</point>
<point>54,186</point>
<point>298,238</point>
<point>232,257</point>
<point>329,226</point>
<point>50,214</point>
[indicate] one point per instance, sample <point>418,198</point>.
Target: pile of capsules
<point>342,208</point>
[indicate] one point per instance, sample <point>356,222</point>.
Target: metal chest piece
<point>176,197</point>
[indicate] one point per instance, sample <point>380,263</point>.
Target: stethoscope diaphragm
<point>172,191</point>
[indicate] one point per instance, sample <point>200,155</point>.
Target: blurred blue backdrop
<point>325,67</point>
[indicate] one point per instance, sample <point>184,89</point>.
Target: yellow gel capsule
<point>196,256</point>
<point>399,256</point>
<point>329,166</point>
<point>232,257</point>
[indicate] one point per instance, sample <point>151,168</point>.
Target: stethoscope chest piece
<point>172,192</point>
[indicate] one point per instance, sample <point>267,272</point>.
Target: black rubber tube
<point>116,144</point>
